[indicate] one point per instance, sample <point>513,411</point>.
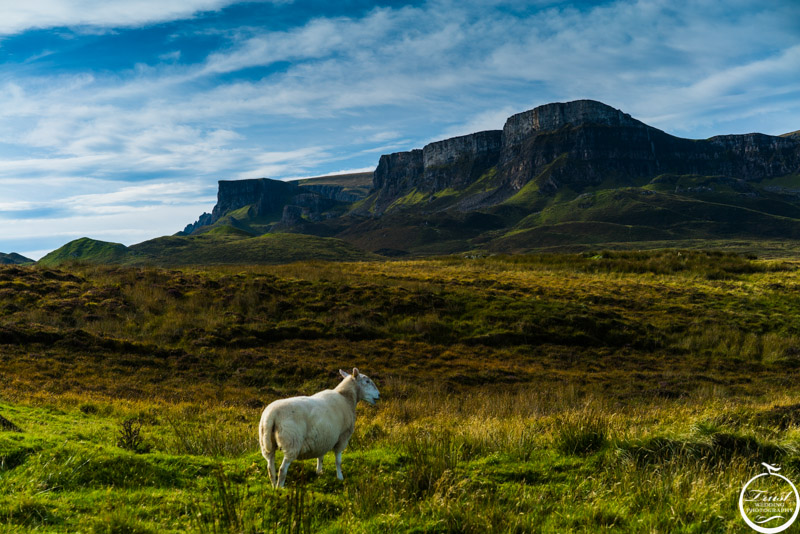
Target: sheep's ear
<point>344,374</point>
<point>355,372</point>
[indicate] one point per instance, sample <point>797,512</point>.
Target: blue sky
<point>118,118</point>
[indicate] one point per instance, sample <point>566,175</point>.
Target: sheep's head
<point>367,390</point>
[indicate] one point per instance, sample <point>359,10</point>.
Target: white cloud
<point>128,227</point>
<point>121,213</point>
<point>773,73</point>
<point>20,16</point>
<point>159,192</point>
<point>175,55</point>
<point>353,88</point>
<point>435,63</point>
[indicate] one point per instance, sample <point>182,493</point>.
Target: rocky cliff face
<point>538,143</point>
<point>455,163</point>
<point>264,194</point>
<point>204,220</point>
<point>459,161</point>
<point>589,153</point>
<point>755,156</point>
<point>396,175</point>
<point>552,117</point>
<point>268,200</point>
<point>575,144</point>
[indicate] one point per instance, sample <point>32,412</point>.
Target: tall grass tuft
<point>430,456</point>
<point>130,436</point>
<point>28,512</point>
<point>233,508</point>
<point>120,522</point>
<point>581,433</point>
<point>215,437</point>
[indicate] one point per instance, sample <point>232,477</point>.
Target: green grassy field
<point>598,392</point>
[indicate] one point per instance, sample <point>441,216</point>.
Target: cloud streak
<point>20,16</point>
<point>326,93</point>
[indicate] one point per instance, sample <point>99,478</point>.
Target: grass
<point>13,259</point>
<point>455,465</point>
<point>608,391</point>
<point>355,184</point>
<point>487,217</point>
<point>667,211</point>
<point>221,245</point>
<point>669,208</point>
<point>88,250</point>
<point>412,198</point>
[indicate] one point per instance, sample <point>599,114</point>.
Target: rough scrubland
<point>606,391</point>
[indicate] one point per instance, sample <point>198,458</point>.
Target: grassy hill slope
<point>13,259</point>
<point>356,183</point>
<point>231,247</point>
<point>219,246</point>
<point>635,391</point>
<point>612,212</point>
<point>86,249</point>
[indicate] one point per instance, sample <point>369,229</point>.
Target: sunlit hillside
<point>608,391</point>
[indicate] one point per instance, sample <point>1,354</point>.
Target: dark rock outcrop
<point>396,175</point>
<point>551,117</point>
<point>265,195</point>
<point>267,200</point>
<point>461,193</point>
<point>755,156</point>
<point>204,220</point>
<point>313,205</point>
<point>459,161</point>
<point>455,162</point>
<point>292,216</point>
<point>574,144</point>
<point>587,154</point>
<point>570,143</point>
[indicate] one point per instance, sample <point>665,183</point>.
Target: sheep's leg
<point>284,468</point>
<point>339,465</point>
<point>319,465</point>
<point>273,479</point>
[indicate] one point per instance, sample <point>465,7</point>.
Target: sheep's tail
<point>266,433</point>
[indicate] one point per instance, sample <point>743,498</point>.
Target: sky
<point>117,119</point>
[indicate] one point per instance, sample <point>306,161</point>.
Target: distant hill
<point>86,249</point>
<point>220,246</point>
<point>227,246</point>
<point>14,259</point>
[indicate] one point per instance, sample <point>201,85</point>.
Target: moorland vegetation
<point>609,391</point>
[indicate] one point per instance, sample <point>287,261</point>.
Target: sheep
<point>308,427</point>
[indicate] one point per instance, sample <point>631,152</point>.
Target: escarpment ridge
<point>563,176</point>
<point>571,145</point>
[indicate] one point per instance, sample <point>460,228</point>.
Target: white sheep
<point>308,427</point>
